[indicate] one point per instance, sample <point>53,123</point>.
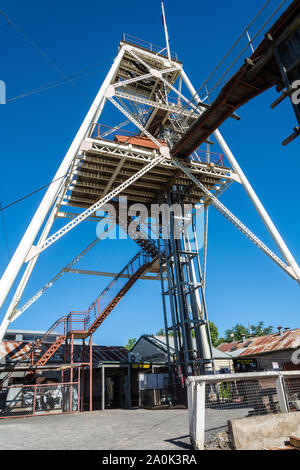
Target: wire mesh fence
<point>229,400</point>
<point>216,400</point>
<point>29,400</point>
<point>292,391</point>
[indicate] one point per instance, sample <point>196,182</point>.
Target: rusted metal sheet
<point>139,141</point>
<point>11,351</point>
<point>263,344</point>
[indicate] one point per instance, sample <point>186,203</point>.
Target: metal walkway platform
<point>259,73</point>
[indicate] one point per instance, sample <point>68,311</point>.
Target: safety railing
<point>115,286</point>
<point>103,132</point>
<point>244,46</point>
<point>121,136</point>
<point>76,321</point>
<point>81,321</point>
<point>202,156</point>
<point>39,399</point>
<point>214,400</point>
<point>158,50</point>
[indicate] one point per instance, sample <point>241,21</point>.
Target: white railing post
<point>199,415</point>
<point>281,394</point>
<point>190,398</point>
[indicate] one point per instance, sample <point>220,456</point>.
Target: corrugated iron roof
<point>263,344</point>
<point>11,351</point>
<point>161,341</point>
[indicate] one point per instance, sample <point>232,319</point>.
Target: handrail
<point>158,50</point>
<point>242,375</point>
<point>142,257</point>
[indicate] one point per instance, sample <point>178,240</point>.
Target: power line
<point>42,54</point>
<point>45,185</point>
<point>5,233</point>
<point>59,82</point>
<point>34,192</point>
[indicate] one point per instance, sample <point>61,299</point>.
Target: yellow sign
<point>140,366</point>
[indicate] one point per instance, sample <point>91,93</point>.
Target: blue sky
<point>243,285</point>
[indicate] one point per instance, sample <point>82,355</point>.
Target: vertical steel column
<point>205,245</point>
<point>79,386</point>
<point>183,272</point>
<point>164,305</point>
<point>103,387</point>
<point>71,373</point>
<point>129,386</point>
<point>91,373</point>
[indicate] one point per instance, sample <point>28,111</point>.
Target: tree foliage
<point>214,334</point>
<point>236,332</point>
<point>130,344</point>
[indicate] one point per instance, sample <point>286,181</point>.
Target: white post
<point>166,31</point>
<point>281,394</point>
<point>28,239</point>
<point>250,191</point>
<point>190,399</point>
<point>199,415</point>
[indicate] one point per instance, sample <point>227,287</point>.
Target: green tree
<point>236,332</point>
<point>160,332</point>
<point>214,334</point>
<point>260,329</point>
<point>130,344</point>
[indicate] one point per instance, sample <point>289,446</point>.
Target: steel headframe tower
<point>145,84</point>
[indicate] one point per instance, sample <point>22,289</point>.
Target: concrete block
<point>259,432</point>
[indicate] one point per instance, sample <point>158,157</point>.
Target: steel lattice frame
<point>157,70</point>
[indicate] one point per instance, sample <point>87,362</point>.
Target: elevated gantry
<point>139,158</point>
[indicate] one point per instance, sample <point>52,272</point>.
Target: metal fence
<point>214,400</point>
<point>31,400</point>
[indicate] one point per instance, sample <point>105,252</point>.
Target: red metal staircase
<point>104,314</point>
<point>49,353</point>
<point>84,324</point>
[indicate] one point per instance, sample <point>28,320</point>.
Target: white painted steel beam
<point>91,210</point>
<point>16,263</point>
<point>16,313</point>
<point>108,274</point>
<point>155,104</point>
<point>235,221</point>
<point>287,255</point>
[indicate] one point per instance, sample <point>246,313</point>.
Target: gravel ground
<point>216,419</point>
<point>108,430</point>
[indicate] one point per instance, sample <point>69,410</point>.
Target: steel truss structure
<point>186,315</point>
<point>146,86</point>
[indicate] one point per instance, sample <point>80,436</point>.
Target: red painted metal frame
<point>35,386</point>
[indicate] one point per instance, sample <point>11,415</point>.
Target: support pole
<point>129,387</point>
<point>205,245</point>
<point>31,233</point>
<point>199,415</point>
<point>103,388</point>
<point>166,31</point>
<point>250,191</point>
<point>91,373</point>
<point>71,374</point>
